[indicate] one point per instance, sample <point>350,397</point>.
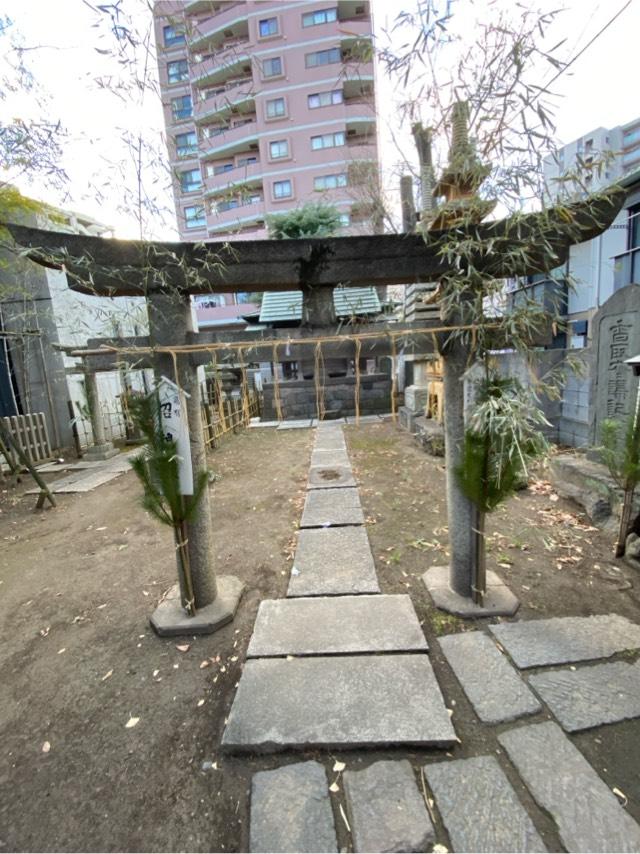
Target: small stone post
<point>102,448</point>
<point>216,600</point>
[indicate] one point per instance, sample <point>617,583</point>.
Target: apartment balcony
<point>215,70</point>
<point>247,210</point>
<point>347,10</point>
<point>240,176</point>
<point>195,7</point>
<point>214,31</point>
<point>235,97</point>
<point>235,140</point>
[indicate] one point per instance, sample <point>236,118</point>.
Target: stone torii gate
<point>167,274</point>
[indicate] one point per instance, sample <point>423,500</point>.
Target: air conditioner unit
<point>227,34</point>
<point>359,10</point>
<point>351,132</point>
<point>253,146</point>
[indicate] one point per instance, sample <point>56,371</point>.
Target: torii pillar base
<point>171,620</point>
<point>499,601</point>
<point>105,451</point>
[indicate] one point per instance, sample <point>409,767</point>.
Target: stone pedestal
<point>101,452</point>
<point>416,397</point>
<point>499,601</point>
<point>171,620</point>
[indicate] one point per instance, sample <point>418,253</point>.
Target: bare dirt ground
<point>78,659</point>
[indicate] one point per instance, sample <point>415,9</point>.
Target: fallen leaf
<point>131,723</point>
<point>107,675</point>
<point>339,766</point>
<point>155,673</point>
<point>60,651</point>
<point>204,664</point>
<point>440,849</point>
<point>618,793</point>
<point>183,647</point>
<point>46,747</point>
<point>200,703</point>
<point>103,528</point>
<point>334,787</point>
<point>44,632</point>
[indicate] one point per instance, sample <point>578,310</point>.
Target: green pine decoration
<point>157,470</point>
<point>621,455</point>
<point>503,437</point>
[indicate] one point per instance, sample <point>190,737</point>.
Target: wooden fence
<point>31,435</point>
<point>227,416</point>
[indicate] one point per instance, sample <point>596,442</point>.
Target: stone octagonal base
<point>101,452</point>
<point>499,601</point>
<point>170,619</point>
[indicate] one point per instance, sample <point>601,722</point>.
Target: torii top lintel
<point>107,267</point>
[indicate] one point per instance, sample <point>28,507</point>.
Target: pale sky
<point>599,90</point>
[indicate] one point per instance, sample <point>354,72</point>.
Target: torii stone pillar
<point>452,587</point>
<point>170,322</point>
<point>102,448</point>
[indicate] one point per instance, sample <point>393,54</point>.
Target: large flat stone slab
<point>80,481</point>
<point>336,624</point>
<point>479,807</point>
<point>337,702</point>
<point>333,561</point>
<point>330,458</point>
<point>325,507</point>
<point>291,810</point>
<point>364,419</point>
<point>564,639</point>
<point>494,688</point>
<point>588,815</point>
<point>386,811</point>
<point>591,696</point>
<point>330,440</point>
<point>330,477</point>
<point>499,601</point>
<point>294,425</point>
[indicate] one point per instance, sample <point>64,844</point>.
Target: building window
<point>246,161</point>
<point>190,180</point>
<point>181,107</point>
<point>173,35</point>
<point>194,216</point>
<point>345,220</point>
<point>278,148</point>
<point>272,67</point>
<point>327,140</point>
<point>268,27</point>
<point>220,170</point>
<point>330,182</point>
<point>322,16</point>
<point>186,143</point>
<point>178,70</point>
<point>324,99</point>
<point>275,108</point>
<point>323,57</point>
<point>282,189</point>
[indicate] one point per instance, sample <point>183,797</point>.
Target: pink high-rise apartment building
<point>267,105</point>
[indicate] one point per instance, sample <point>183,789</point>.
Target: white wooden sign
<point>173,418</point>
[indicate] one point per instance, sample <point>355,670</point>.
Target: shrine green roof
<point>279,306</point>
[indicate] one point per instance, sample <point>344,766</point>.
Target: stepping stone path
<point>291,810</point>
<point>495,690</point>
<point>467,789</point>
<point>386,810</point>
<point>333,561</point>
<point>338,665</point>
<point>344,624</point>
<point>86,475</point>
<point>591,696</point>
<point>565,639</point>
<point>588,815</point>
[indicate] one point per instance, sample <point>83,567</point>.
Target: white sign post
<point>174,426</point>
